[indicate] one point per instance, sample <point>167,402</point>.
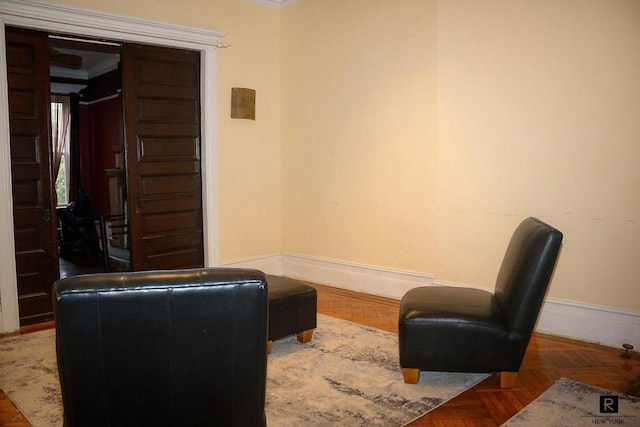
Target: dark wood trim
<point>68,80</point>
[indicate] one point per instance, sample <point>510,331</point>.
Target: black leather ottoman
<point>292,309</point>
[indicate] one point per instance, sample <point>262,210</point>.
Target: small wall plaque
<point>243,103</point>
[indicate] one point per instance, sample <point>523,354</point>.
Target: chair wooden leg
<point>269,346</point>
<point>507,379</point>
<point>410,375</point>
<point>305,336</point>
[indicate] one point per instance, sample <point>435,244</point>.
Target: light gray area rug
<point>29,376</point>
<point>569,403</point>
<point>348,375</point>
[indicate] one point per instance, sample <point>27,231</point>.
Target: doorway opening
<point>89,165</point>
<point>27,278</point>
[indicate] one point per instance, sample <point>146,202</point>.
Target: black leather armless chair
<point>163,348</point>
<point>454,329</point>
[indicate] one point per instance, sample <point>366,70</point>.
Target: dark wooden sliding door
<point>33,204</point>
<point>161,88</point>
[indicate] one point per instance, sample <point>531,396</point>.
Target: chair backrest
<point>525,273</point>
<point>114,240</point>
<point>180,348</point>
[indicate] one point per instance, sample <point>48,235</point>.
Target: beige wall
<point>359,131</point>
<point>416,134</point>
<point>248,151</point>
<point>417,139</point>
<point>539,114</point>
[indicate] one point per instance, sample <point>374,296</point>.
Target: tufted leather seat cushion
<point>440,326</point>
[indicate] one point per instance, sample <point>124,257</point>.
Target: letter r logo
<point>608,404</point>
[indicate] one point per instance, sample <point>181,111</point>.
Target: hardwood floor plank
<point>9,414</point>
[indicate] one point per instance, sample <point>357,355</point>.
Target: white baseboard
<point>608,326</point>
<point>269,264</point>
<point>356,277</point>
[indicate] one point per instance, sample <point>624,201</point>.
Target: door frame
<point>96,24</point>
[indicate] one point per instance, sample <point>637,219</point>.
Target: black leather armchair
<point>160,348</point>
<point>455,329</point>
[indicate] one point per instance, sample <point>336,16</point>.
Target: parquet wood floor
<point>548,358</point>
<point>486,405</point>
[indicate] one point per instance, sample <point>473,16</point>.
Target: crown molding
<point>57,17</point>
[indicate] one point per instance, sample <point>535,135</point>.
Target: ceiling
<point>97,58</point>
<point>93,64</point>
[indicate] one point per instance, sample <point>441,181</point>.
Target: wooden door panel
<point>158,71</point>
<point>175,185</point>
<point>164,110</point>
<point>171,222</point>
<point>169,205</point>
<point>169,149</point>
<point>26,147</point>
<point>162,121</point>
<point>21,102</point>
<point>178,168</point>
<point>33,204</point>
<point>178,259</point>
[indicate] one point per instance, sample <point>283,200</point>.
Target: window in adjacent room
<point>60,118</point>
